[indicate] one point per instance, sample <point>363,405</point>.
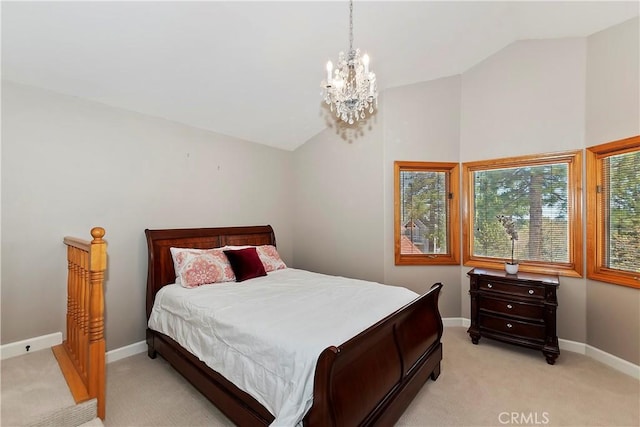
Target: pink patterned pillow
<point>270,258</point>
<point>196,267</point>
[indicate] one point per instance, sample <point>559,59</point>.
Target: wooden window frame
<point>573,268</point>
<point>452,257</point>
<point>596,240</point>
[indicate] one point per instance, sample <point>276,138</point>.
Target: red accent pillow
<point>246,263</point>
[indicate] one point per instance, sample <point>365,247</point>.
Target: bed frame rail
<point>82,355</point>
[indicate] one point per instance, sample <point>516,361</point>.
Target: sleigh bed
<point>368,380</point>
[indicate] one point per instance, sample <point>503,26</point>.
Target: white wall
<point>69,165</point>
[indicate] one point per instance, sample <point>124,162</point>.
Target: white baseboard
<point>610,360</point>
<point>126,351</point>
<point>46,341</point>
<point>615,362</point>
<point>456,321</point>
<point>19,348</point>
<point>574,346</point>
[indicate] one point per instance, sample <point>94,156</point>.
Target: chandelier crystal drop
<point>350,89</point>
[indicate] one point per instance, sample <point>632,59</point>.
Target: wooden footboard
<point>372,378</point>
<point>368,381</point>
<point>82,355</point>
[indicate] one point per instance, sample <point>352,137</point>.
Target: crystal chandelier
<point>351,90</point>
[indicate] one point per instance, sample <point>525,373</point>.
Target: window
<point>613,212</point>
<point>426,223</point>
<point>541,194</point>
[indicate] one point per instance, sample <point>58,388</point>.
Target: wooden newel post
<point>97,267</point>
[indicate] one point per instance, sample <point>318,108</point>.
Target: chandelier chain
<point>350,25</point>
<point>351,91</point>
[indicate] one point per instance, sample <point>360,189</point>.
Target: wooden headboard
<point>160,264</point>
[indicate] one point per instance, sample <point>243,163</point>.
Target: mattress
<point>265,334</point>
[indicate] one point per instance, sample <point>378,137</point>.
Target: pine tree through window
<point>426,213</point>
<point>540,194</point>
<point>613,210</point>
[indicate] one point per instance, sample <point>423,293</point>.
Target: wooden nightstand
<point>515,308</point>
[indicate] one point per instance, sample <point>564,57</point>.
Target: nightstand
<point>515,308</point>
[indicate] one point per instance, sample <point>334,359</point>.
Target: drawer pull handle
<point>509,325</point>
<point>489,285</point>
<point>509,306</point>
<point>530,291</point>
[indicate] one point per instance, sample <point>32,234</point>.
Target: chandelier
<point>351,91</point>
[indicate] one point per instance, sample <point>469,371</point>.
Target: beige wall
<point>421,123</point>
<point>530,97</point>
<point>613,83</point>
<point>613,112</point>
<point>343,221</point>
<point>331,199</point>
<point>339,203</point>
<point>69,165</point>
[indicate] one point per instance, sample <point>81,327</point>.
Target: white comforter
<point>265,334</point>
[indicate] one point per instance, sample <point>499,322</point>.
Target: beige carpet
<point>34,393</point>
<point>485,385</point>
<point>26,397</point>
<point>81,414</point>
<point>491,384</point>
<point>148,392</point>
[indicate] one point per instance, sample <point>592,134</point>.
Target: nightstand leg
<point>474,334</point>
<point>551,350</point>
<point>436,373</point>
<point>551,357</point>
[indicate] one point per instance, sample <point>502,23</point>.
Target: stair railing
<point>82,355</point>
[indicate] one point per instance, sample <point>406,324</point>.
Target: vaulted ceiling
<point>252,70</point>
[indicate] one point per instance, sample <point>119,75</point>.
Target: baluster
<point>83,317</point>
<point>69,295</point>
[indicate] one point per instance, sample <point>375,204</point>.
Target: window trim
<point>595,220</point>
<point>574,208</point>
<point>453,209</point>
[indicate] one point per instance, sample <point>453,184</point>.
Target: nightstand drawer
<point>511,288</point>
<point>513,327</point>
<point>513,308</point>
